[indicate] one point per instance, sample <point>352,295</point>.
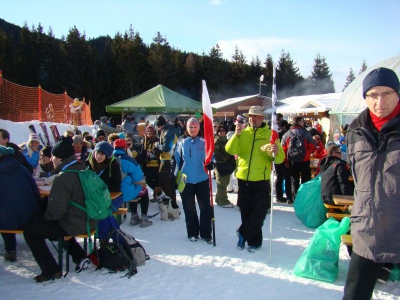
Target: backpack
<point>118,159</point>
<point>297,148</point>
<point>97,197</point>
<point>125,253</point>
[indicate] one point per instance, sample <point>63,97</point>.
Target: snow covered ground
<point>180,269</point>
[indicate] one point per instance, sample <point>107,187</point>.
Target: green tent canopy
<point>156,100</point>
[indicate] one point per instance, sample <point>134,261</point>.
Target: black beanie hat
<point>100,133</point>
<point>381,77</point>
<point>63,149</point>
<point>160,121</point>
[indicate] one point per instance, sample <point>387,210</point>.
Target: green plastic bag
<point>308,205</point>
<point>320,260</point>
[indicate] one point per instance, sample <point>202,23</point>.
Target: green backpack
<point>97,197</point>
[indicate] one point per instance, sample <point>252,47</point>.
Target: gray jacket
<point>66,187</point>
<point>374,159</point>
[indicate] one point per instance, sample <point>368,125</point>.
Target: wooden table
<point>343,199</point>
<point>46,192</point>
<point>114,195</point>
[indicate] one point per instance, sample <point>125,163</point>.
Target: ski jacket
<point>67,187</point>
<point>31,156</point>
<point>374,161</point>
<point>334,178</point>
<point>168,138</point>
<point>307,140</point>
<point>252,163</point>
<point>19,197</point>
<point>129,166</point>
<point>189,157</point>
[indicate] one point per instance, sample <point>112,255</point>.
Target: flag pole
<point>273,127</point>
<point>209,145</point>
<point>212,208</point>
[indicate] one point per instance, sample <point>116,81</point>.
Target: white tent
<point>351,102</point>
<point>309,104</point>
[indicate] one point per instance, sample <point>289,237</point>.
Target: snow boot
<point>135,220</point>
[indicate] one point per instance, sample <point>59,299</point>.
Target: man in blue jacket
<point>19,199</point>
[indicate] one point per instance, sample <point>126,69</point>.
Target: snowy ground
<point>180,269</point>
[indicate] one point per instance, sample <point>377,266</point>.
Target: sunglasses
<point>100,138</point>
<point>129,145</point>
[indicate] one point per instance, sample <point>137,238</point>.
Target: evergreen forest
<point>108,69</point>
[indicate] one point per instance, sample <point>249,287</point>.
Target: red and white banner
<point>208,124</point>
<point>274,126</point>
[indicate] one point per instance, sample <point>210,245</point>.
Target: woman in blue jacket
<point>189,158</point>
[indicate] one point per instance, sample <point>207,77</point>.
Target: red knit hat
<point>120,143</point>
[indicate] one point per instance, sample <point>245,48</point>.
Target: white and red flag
<point>208,124</point>
<point>274,126</point>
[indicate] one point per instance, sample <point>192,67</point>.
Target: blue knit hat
<point>104,147</point>
<point>6,150</point>
<point>381,77</point>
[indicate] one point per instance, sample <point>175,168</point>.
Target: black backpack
<point>297,148</point>
<point>125,253</point>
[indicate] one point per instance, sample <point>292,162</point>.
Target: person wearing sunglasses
<point>334,175</point>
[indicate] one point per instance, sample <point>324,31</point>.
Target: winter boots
<point>144,221</point>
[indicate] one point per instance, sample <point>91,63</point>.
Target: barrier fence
<point>20,104</point>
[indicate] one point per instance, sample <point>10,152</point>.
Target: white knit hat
<point>34,137</point>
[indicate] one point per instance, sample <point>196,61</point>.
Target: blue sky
<point>345,32</point>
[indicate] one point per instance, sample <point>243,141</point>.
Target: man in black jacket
<point>334,175</point>
<point>5,141</point>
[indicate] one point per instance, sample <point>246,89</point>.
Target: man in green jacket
<point>254,166</point>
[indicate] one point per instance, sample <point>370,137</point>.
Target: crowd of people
<point>137,155</point>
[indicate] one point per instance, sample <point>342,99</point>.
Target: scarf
<point>379,122</point>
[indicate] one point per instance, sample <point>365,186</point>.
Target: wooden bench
<point>346,239</point>
<point>61,242</point>
<point>332,207</point>
<point>337,216</point>
<point>343,199</point>
<point>60,247</point>
<point>120,213</point>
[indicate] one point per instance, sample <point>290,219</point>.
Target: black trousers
<point>36,234</point>
<point>151,174</point>
<point>164,181</point>
<point>361,278</point>
<point>144,204</point>
<point>297,170</point>
<point>254,200</point>
<point>282,173</point>
<point>201,192</point>
<point>10,241</point>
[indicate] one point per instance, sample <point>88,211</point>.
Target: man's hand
<point>238,129</point>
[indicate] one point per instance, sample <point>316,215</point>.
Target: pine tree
<point>349,79</point>
<point>217,70</point>
<point>287,76</point>
<point>160,59</point>
<point>321,79</point>
<point>238,71</point>
<point>363,67</point>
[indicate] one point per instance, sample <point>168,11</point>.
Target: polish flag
<point>274,126</point>
<point>208,124</point>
